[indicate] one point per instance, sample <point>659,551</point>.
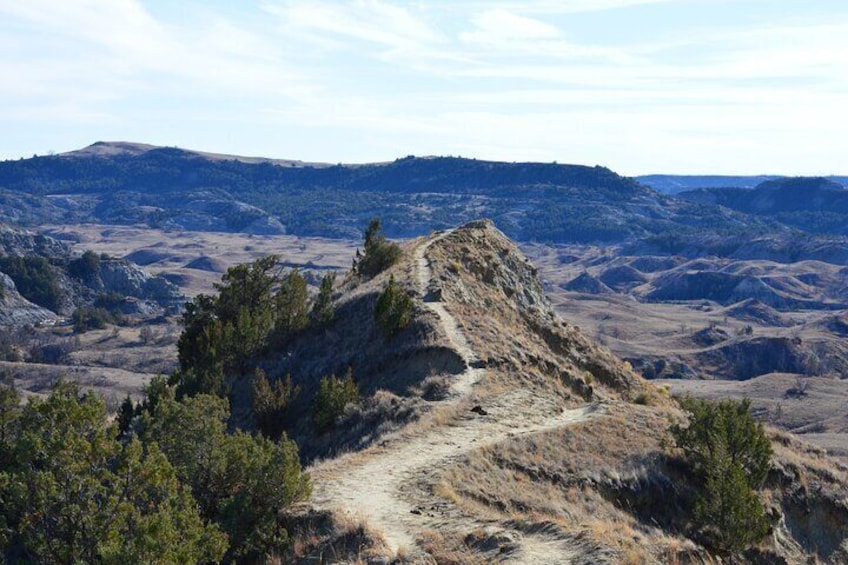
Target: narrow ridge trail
<point>390,486</point>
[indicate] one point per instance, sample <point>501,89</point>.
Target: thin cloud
<point>494,26</point>
<point>548,7</point>
<point>369,21</point>
<point>500,79</point>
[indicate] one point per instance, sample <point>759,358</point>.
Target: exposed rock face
<point>749,358</point>
<point>122,277</point>
<point>22,243</point>
<point>15,310</point>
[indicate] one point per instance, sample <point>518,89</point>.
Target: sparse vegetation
<point>729,454</point>
<point>798,389</point>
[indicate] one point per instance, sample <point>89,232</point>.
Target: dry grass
<point>559,476</point>
<point>114,361</point>
<point>325,537</point>
<point>450,550</point>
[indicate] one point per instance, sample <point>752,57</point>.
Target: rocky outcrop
<point>588,284</point>
<point>748,358</point>
<point>122,277</point>
<point>15,310</point>
<point>22,243</point>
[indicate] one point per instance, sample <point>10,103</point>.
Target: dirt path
<point>391,487</point>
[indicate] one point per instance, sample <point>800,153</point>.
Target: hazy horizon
<point>681,87</point>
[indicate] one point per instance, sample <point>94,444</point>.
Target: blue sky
<point>640,86</point>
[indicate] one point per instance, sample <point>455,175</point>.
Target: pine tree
<point>292,307</point>
<point>379,254</point>
<point>126,413</point>
<point>270,403</point>
<point>334,394</point>
<point>229,473</point>
<point>730,457</point>
<point>72,493</point>
<point>322,309</point>
<point>393,310</point>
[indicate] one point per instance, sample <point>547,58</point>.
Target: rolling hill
<point>128,183</point>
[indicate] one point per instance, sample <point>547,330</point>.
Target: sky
<point>639,86</point>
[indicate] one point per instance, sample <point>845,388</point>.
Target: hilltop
<point>493,430</point>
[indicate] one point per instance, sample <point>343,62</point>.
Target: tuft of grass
<point>643,398</point>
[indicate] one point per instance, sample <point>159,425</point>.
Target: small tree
<point>126,413</point>
<point>72,493</point>
<point>333,395</point>
<point>225,334</point>
<point>380,253</point>
<point>87,318</point>
<point>322,309</point>
<point>729,453</point>
<point>393,310</point>
<point>85,267</point>
<point>147,335</point>
<point>270,403</point>
<point>240,481</point>
<point>292,305</point>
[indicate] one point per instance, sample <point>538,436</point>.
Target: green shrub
<point>73,493</point>
<point>35,279</point>
<point>270,403</point>
<point>729,454</point>
<point>224,334</point>
<point>241,482</point>
<point>111,301</point>
<point>85,267</point>
<point>380,253</point>
<point>643,398</point>
<point>292,307</point>
<point>322,309</point>
<point>86,318</point>
<point>333,395</point>
<point>393,310</point>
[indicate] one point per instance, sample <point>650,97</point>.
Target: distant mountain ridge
<point>818,205</point>
<point>675,184</point>
<point>125,183</point>
<point>165,187</point>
